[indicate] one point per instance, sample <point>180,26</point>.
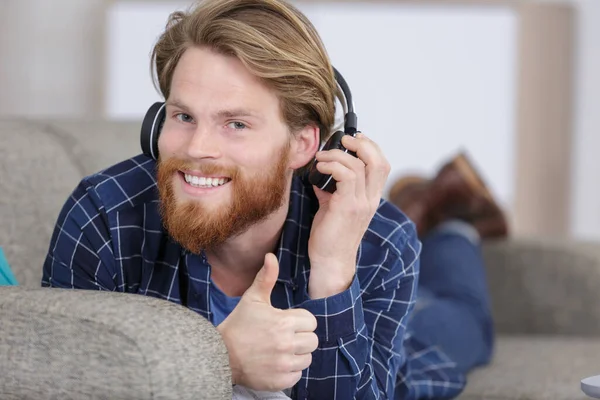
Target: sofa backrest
<point>41,163</point>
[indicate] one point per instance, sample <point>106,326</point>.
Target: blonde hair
<point>273,40</point>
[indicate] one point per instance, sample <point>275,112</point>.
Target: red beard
<point>196,228</point>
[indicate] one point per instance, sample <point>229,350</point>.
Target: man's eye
<point>237,125</point>
<point>184,118</point>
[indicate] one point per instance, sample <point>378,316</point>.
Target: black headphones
<point>155,119</point>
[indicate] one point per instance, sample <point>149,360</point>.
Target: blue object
<point>6,276</point>
<point>453,310</point>
<point>221,305</point>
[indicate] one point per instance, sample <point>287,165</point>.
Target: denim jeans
<point>453,304</point>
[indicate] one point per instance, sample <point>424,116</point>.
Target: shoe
<point>456,192</point>
<point>413,195</point>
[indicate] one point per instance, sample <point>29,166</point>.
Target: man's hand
<point>268,347</point>
<point>344,216</point>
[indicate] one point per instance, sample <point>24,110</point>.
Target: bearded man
<point>313,292</point>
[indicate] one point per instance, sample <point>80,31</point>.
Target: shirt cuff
<point>338,315</point>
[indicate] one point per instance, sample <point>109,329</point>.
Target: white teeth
<point>197,181</point>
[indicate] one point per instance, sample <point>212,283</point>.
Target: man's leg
<point>453,305</point>
<point>453,211</point>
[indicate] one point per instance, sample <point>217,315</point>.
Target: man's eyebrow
<point>178,104</point>
<point>236,112</point>
<point>226,113</point>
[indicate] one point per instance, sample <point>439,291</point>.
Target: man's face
<point>224,151</point>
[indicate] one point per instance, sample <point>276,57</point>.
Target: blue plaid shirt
<point>109,236</point>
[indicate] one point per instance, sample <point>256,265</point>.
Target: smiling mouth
<point>204,182</point>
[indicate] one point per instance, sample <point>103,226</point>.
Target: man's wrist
<point>329,280</point>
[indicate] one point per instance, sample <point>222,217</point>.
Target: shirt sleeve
<point>80,255</point>
<point>361,330</point>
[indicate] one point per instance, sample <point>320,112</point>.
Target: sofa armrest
<point>74,344</point>
<point>543,286</point>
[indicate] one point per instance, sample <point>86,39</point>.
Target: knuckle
<point>306,313</point>
<point>293,378</point>
<point>285,323</point>
<point>350,176</point>
<point>284,346</point>
<point>315,342</point>
<point>336,153</point>
<point>387,167</point>
<point>313,322</point>
<point>284,364</point>
<point>307,361</point>
<point>358,163</point>
<point>279,383</point>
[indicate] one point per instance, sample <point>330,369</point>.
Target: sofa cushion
<point>98,144</point>
<point>544,286</point>
<point>41,162</point>
<point>535,368</point>
<point>38,173</point>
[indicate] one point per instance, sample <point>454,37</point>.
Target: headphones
<point>155,119</point>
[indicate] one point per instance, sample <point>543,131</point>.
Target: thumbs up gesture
<point>268,347</point>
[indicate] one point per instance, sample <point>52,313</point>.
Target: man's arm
<point>80,255</point>
<point>361,334</point>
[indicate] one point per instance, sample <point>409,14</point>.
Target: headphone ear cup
<point>151,127</point>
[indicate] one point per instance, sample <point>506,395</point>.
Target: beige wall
<point>49,68</point>
<point>545,120</point>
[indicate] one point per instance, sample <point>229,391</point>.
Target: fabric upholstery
<point>542,286</point>
<point>37,172</point>
<point>41,162</point>
<point>85,344</point>
<point>536,368</point>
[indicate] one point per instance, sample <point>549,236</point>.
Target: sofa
<point>73,344</point>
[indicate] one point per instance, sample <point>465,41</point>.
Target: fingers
<point>265,280</point>
<point>288,380</point>
<point>347,170</point>
<point>377,167</point>
<point>305,343</point>
<point>302,320</point>
<point>300,363</point>
<point>290,372</point>
<point>366,173</point>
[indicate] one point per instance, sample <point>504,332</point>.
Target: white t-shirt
<point>243,393</point>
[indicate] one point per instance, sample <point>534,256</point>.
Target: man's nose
<point>203,144</point>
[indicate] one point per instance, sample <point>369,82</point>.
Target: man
<point>312,292</point>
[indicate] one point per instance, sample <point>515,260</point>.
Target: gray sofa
<point>81,344</point>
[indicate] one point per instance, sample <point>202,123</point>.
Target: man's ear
<point>305,144</point>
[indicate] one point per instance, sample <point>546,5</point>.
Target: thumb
<point>265,280</point>
<point>322,196</point>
